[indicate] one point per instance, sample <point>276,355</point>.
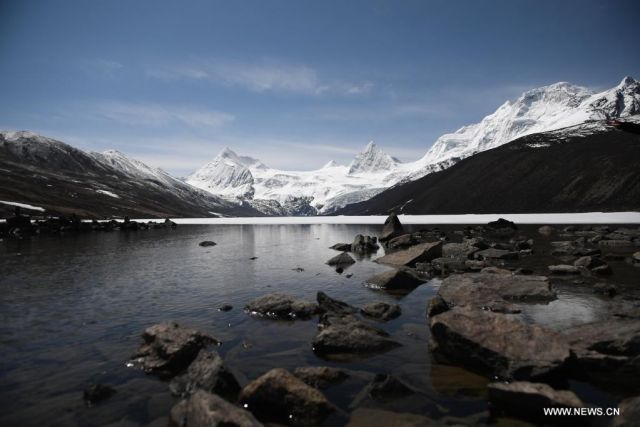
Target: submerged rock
<point>207,372</point>
<point>203,409</point>
<point>607,289</point>
<point>564,269</point>
<point>169,348</point>
<point>225,307</point>
<point>320,376</point>
<point>527,400</point>
<point>546,230</point>
<point>280,397</point>
<point>281,306</point>
<point>369,417</point>
<point>207,243</point>
<point>326,304</point>
<point>394,279</point>
<point>387,387</point>
<point>97,393</point>
<point>392,228</point>
<point>402,241</point>
<point>343,259</point>
<point>423,252</point>
<point>498,344</point>
<point>493,253</point>
<point>381,310</point>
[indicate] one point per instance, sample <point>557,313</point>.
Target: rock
<point>458,250</point>
<point>346,336</point>
<point>528,400</point>
<point>436,306</point>
<point>381,310</point>
<point>498,344</point>
<point>203,409</point>
<point>493,253</point>
<point>364,244</point>
<point>636,258</point>
<point>207,372</point>
<point>320,376</point>
<point>475,265</point>
<point>341,260</point>
<point>386,387</point>
<point>207,243</point>
<point>343,247</point>
<point>564,269</point>
<point>501,228</point>
<point>603,270</point>
<point>494,291</point>
<point>615,243</point>
<point>629,413</point>
<point>562,248</point>
<point>369,417</point>
<point>444,265</point>
<point>495,270</point>
<point>279,397</point>
<point>96,393</point>
<point>225,307</point>
<point>403,241</point>
<point>588,262</point>
<point>608,352</point>
<point>606,289</point>
<point>281,306</point>
<point>392,228</point>
<point>423,252</point>
<point>394,280</point>
<point>169,348</point>
<point>326,304</point>
<point>546,230</point>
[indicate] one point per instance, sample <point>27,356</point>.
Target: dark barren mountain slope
<point>589,167</point>
<point>63,180</point>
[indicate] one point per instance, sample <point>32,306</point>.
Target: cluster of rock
<point>21,226</point>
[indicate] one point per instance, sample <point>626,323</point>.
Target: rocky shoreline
<point>475,322</point>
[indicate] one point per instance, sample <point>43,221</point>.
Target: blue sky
<point>294,83</point>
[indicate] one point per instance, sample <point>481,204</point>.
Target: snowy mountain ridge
<point>556,106</point>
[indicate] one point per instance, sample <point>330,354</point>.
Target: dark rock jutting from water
<point>423,252</point>
<point>207,372</point>
<point>204,409</point>
<point>281,307</point>
<point>391,228</point>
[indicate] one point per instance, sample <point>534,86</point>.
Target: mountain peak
<point>627,81</point>
<point>372,159</point>
<point>330,164</point>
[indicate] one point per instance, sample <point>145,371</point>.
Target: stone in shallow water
<point>394,279</point>
<point>343,259</point>
<point>320,376</point>
<point>346,336</point>
<point>280,397</point>
<point>564,269</point>
<point>203,409</point>
<point>381,310</point>
<point>326,304</point>
<point>281,306</point>
<point>207,243</point>
<point>494,291</point>
<point>392,228</point>
<point>499,344</point>
<point>423,252</point>
<point>169,348</point>
<point>527,400</point>
<point>207,372</point>
<point>97,393</point>
<point>364,244</point>
<point>343,247</point>
<point>493,253</point>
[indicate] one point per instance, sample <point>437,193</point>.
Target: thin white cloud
<point>157,115</point>
<point>262,76</point>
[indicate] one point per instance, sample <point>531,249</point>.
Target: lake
<point>72,308</point>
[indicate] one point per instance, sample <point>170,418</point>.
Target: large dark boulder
<point>326,304</point>
<point>341,260</point>
<point>169,348</point>
<point>380,310</point>
<point>499,344</point>
<point>282,307</point>
<point>203,409</point>
<point>424,252</point>
<point>364,244</point>
<point>280,397</point>
<point>207,372</point>
<point>392,228</point>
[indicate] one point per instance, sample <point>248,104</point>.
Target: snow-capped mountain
<point>333,186</point>
<point>543,109</point>
<point>60,178</point>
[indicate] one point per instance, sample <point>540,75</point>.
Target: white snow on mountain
<point>543,109</point>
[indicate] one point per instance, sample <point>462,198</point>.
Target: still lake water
<point>72,309</point>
